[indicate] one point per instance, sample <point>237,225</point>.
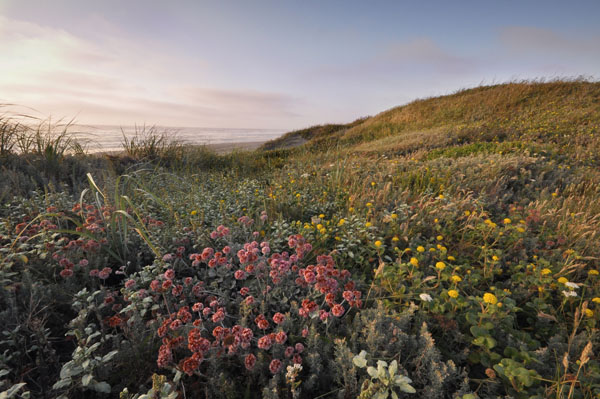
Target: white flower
<point>426,297</point>
<point>569,293</point>
<point>572,285</point>
<point>305,175</point>
<point>293,371</point>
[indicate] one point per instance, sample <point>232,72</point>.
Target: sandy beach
<point>224,148</point>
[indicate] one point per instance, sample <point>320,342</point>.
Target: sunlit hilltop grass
<point>448,248</point>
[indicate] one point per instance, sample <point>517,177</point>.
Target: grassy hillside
<point>562,113</point>
<point>453,243</point>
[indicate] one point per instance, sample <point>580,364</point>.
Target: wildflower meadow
<point>372,262</point>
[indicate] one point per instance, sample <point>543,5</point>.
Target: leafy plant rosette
<point>240,307</point>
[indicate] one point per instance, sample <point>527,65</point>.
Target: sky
<point>276,64</point>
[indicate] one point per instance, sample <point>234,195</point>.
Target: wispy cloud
<point>535,41</point>
<point>425,52</point>
<point>414,58</point>
<point>115,81</point>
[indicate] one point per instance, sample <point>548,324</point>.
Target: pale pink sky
<point>273,64</point>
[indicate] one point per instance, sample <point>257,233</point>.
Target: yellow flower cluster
<point>490,298</point>
<point>453,293</point>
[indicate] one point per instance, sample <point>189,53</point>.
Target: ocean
<point>110,138</point>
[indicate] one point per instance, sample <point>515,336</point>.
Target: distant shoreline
<point>219,148</point>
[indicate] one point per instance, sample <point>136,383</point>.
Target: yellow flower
<point>453,293</point>
<point>467,213</point>
<point>563,280</point>
<point>440,265</point>
<point>394,216</point>
<point>378,243</point>
<point>414,261</point>
<point>439,238</point>
<point>546,271</point>
<point>298,195</point>
<point>194,213</point>
<point>490,298</point>
<point>420,249</point>
<point>351,209</point>
<point>431,249</point>
<point>341,222</point>
<point>499,304</point>
<point>319,226</point>
<point>555,194</point>
<point>589,313</point>
<point>395,238</point>
<point>593,272</point>
<point>322,216</point>
<point>441,196</point>
<point>596,300</point>
<point>507,221</point>
<point>451,258</point>
<point>495,258</point>
<point>368,224</point>
<point>372,184</point>
<point>369,204</point>
<point>323,231</point>
<point>435,220</point>
<point>456,279</point>
<point>520,230</point>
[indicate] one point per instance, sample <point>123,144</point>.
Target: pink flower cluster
<point>326,291</point>
<point>220,232</point>
<point>211,258</point>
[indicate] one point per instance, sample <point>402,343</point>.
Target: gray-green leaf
<point>103,387</point>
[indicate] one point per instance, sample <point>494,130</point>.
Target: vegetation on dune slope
<point>457,257</point>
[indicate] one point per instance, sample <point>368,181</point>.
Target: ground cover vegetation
<point>449,248</point>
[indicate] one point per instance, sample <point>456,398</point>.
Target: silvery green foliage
<point>87,361</point>
<point>396,337</point>
<point>385,380</point>
<point>13,391</point>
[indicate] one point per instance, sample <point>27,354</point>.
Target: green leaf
<point>109,356</point>
<point>102,387</point>
<point>393,368</point>
<point>407,388</point>
<point>10,392</point>
<point>62,383</point>
<point>478,331</point>
<point>381,395</point>
<point>86,379</point>
<point>360,359</point>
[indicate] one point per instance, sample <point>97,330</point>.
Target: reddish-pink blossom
<point>275,366</point>
<point>281,337</point>
<point>278,318</point>
<point>337,310</point>
<point>250,361</point>
<point>265,342</point>
<point>66,273</point>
